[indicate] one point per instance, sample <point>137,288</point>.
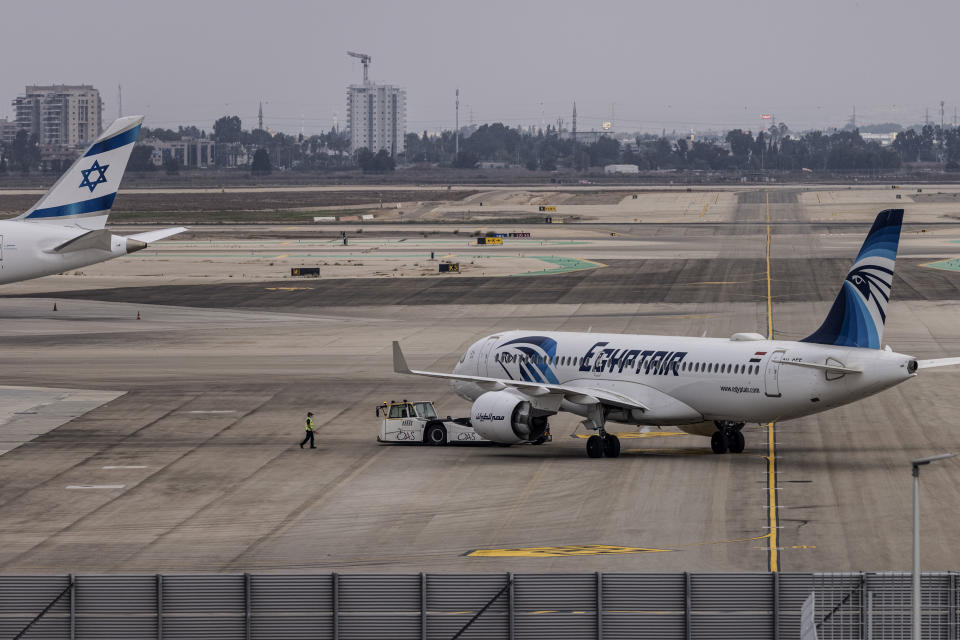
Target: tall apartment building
<point>377,117</point>
<point>8,131</point>
<point>60,115</point>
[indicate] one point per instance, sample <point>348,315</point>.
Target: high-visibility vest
<point>309,425</point>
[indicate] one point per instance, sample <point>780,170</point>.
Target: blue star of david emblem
<point>101,175</point>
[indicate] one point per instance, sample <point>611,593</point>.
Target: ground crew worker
<point>309,427</point>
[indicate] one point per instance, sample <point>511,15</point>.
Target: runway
<point>196,467</point>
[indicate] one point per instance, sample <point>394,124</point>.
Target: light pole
<point>916,538</point>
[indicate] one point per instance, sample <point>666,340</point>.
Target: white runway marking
<point>96,486</point>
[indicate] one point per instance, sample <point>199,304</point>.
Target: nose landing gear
<point>728,437</point>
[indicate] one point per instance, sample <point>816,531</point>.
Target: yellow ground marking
<point>283,255</point>
<point>774,561</point>
<point>593,262</point>
<point>702,544</point>
<point>560,552</point>
<point>289,288</point>
<point>769,297</point>
<point>804,546</point>
<point>590,549</point>
<point>636,434</point>
<point>704,212</point>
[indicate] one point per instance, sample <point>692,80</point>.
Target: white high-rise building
<point>60,115</point>
<point>377,117</point>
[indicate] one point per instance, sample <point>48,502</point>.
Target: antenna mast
<point>457,126</point>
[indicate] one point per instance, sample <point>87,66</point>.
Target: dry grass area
<point>248,201</point>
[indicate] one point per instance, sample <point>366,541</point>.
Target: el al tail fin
<point>84,195</point>
<point>858,314</point>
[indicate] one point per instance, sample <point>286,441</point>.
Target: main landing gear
<point>603,445</point>
<point>728,437</point>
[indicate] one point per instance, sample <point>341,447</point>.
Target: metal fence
<point>658,606</point>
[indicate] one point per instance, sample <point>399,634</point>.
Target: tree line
<point>774,149</point>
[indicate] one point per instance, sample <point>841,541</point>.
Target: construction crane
<point>365,59</point>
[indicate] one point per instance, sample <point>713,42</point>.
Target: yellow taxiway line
<point>773,539</point>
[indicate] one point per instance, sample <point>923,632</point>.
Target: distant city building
<point>376,117</point>
<point>885,139</point>
<point>8,131</point>
<point>232,154</point>
<point>583,137</point>
<point>189,152</point>
<point>61,116</point>
<point>621,169</point>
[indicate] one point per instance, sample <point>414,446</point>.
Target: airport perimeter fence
<point>613,606</point>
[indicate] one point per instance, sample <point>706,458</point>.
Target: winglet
<point>399,362</point>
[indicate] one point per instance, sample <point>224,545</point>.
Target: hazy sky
<point>674,65</point>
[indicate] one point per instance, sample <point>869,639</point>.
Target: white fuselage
<point>27,250</point>
<point>687,381</point>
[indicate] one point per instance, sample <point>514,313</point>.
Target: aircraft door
<point>772,374</point>
<point>486,353</point>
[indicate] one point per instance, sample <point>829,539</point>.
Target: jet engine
<point>507,418</point>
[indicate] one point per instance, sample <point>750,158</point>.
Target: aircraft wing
<point>159,234</point>
<point>937,362</point>
<point>576,394</point>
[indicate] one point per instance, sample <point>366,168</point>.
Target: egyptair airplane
<point>65,228</point>
<point>704,386</point>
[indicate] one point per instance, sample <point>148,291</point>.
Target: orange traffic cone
<point>138,315</point>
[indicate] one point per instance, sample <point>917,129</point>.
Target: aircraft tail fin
<point>858,314</point>
<point>84,195</point>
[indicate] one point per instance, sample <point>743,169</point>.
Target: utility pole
<point>260,116</point>
<point>574,130</point>
<point>916,613</point>
<point>941,115</point>
<point>457,127</point>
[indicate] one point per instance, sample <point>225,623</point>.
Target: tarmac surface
<point>196,467</point>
